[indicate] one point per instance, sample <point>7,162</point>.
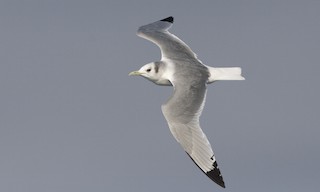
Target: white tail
<point>228,73</point>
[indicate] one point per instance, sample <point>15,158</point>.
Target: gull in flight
<point>179,67</point>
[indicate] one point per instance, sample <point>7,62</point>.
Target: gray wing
<point>171,46</point>
<point>182,112</point>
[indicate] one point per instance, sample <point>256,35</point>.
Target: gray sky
<point>72,120</point>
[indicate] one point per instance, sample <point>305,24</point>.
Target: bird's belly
<point>164,82</point>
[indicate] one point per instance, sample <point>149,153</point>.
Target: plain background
<point>71,120</point>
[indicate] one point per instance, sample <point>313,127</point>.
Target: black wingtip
<point>168,19</point>
<point>214,174</point>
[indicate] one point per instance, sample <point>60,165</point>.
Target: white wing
<point>171,46</point>
<point>182,112</point>
<point>183,109</point>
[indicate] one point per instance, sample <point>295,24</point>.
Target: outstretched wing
<point>182,112</point>
<point>171,46</point>
<point>183,109</point>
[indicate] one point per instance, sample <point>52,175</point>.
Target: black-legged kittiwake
<point>180,67</point>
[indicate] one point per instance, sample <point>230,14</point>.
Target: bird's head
<point>149,71</point>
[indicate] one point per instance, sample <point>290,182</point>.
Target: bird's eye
<point>148,70</point>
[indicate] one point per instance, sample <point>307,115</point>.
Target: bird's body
<point>180,68</point>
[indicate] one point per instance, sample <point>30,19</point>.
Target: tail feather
<point>228,73</point>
